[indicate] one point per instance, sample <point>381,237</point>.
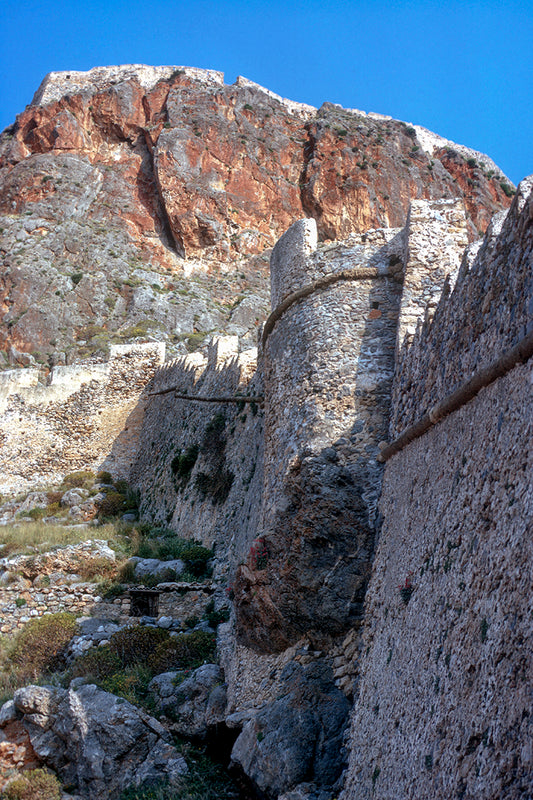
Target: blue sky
<point>461,69</point>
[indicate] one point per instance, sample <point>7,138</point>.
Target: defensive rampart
<point>199,465</point>
<point>86,416</point>
<point>444,708</point>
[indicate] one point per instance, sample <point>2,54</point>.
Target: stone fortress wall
<point>217,499</point>
<point>444,708</point>
<point>258,462</point>
<point>86,416</point>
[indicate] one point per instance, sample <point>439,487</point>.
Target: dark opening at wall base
<point>144,602</point>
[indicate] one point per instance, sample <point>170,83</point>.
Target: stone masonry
<point>328,368</point>
<point>83,417</point>
<point>444,708</point>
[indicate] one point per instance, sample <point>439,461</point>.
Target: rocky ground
<point>91,718</point>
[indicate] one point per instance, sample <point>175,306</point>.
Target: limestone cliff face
<point>139,200</point>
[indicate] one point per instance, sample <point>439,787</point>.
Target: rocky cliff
<point>140,201</point>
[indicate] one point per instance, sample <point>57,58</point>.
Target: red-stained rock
<point>186,173</point>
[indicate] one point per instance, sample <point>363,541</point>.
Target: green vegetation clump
<point>194,341</point>
<point>39,647</point>
<point>182,465</point>
<point>113,504</point>
<point>214,618</point>
<point>506,189</point>
<point>217,482</point>
<point>165,546</point>
<point>97,663</point>
<point>35,784</point>
<point>36,514</point>
<point>104,477</point>
<point>205,780</point>
<point>84,479</point>
<point>135,645</point>
<point>183,652</point>
<point>134,655</point>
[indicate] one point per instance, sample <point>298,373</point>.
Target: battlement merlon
<point>290,264</point>
<point>437,235</point>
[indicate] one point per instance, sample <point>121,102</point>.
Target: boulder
<point>97,743</point>
<point>144,567</point>
<point>195,704</point>
<point>33,500</point>
<point>298,737</point>
<point>73,497</point>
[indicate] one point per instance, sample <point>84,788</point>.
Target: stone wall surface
<point>218,499</point>
<point>87,417</point>
<point>444,704</point>
<point>444,708</point>
<point>437,234</point>
<point>78,598</point>
<point>488,312</point>
<point>328,366</point>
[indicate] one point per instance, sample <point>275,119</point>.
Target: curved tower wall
<point>328,366</point>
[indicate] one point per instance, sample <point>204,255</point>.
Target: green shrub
<point>194,341</point>
<point>111,589</point>
<point>36,784</point>
<point>104,477</point>
<point>36,514</point>
<point>131,684</point>
<point>217,485</point>
<point>113,504</point>
<point>196,557</point>
<point>167,546</point>
<point>83,479</point>
<point>183,652</point>
<point>205,780</point>
<point>135,645</point>
<point>97,663</point>
<point>215,618</point>
<point>506,189</point>
<point>38,648</point>
<point>182,464</point>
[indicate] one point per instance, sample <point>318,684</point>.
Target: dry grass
<point>31,537</point>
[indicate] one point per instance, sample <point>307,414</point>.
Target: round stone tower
<point>328,363</point>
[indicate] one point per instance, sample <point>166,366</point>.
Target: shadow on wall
<point>199,463</point>
<point>123,454</point>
